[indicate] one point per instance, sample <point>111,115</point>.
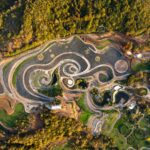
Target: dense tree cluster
<point>28,23</point>
<point>57,128</point>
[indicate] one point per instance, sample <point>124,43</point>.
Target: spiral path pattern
<point>73,58</point>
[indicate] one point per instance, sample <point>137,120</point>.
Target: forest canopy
<point>28,23</point>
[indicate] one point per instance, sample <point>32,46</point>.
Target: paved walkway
<point>73,58</point>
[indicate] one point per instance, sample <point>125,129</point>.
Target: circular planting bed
<point>124,129</point>
<point>121,66</point>
<point>105,76</point>
<point>139,134</point>
<point>141,91</point>
<point>131,140</point>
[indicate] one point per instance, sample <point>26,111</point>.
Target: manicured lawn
<point>86,113</point>
<point>10,120</point>
<point>85,116</point>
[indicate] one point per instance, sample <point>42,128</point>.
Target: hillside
<point>25,24</point>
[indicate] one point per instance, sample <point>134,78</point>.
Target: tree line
<point>26,24</point>
<point>56,128</point>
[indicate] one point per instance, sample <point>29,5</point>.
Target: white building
<point>54,107</point>
<point>132,105</point>
<point>117,87</point>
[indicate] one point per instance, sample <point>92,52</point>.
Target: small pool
<point>121,96</point>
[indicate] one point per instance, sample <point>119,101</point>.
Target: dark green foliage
<point>141,91</point>
<point>81,83</point>
<point>32,22</point>
<point>142,67</point>
<point>139,134</point>
<point>51,91</point>
<point>6,4</point>
<point>123,129</point>
<point>56,129</point>
<point>86,113</point>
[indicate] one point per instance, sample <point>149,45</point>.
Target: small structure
<point>70,83</point>
<point>129,53</point>
<point>117,87</point>
<point>40,57</point>
<point>53,107</point>
<point>97,58</point>
<point>139,56</point>
<point>132,105</point>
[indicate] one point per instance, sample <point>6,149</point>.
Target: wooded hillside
<point>27,23</point>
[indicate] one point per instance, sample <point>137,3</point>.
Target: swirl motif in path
<point>73,59</point>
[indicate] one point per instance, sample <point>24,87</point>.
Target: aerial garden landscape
<point>74,75</point>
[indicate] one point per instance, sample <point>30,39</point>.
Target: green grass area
<point>119,139</point>
<point>103,43</point>
<point>86,113</point>
<point>110,129</point>
<point>109,122</point>
<point>10,120</point>
<point>144,123</point>
<point>123,120</point>
<point>138,137</point>
<point>124,130</point>
<point>100,47</point>
<point>14,80</point>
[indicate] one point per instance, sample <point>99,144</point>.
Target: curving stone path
<point>73,58</point>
